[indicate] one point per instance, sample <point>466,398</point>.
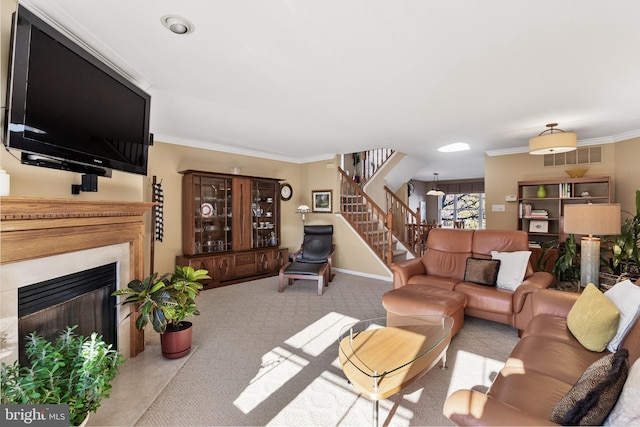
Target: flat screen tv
<point>68,110</point>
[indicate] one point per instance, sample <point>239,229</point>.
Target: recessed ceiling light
<point>458,146</point>
<point>177,24</point>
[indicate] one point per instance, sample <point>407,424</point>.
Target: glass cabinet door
<point>264,207</point>
<point>213,215</point>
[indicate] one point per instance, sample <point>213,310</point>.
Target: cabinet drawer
<point>242,259</point>
<point>245,270</point>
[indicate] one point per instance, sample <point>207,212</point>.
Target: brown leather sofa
<point>443,266</point>
<point>542,368</point>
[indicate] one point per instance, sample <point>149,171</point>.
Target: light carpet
<point>269,358</point>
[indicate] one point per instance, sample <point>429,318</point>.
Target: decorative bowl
<point>577,172</point>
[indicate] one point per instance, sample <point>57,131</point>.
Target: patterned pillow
<point>482,271</point>
<point>626,412</point>
<point>594,395</point>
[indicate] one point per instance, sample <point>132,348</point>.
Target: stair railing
<point>406,224</point>
<point>373,161</point>
<point>369,220</point>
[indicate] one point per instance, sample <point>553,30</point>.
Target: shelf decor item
<point>576,172</point>
<point>542,192</point>
<point>538,226</point>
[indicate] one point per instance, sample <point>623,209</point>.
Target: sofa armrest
<point>403,270</point>
<point>552,301</point>
<point>538,280</point>
<point>470,408</point>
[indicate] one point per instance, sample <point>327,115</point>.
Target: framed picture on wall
<point>321,201</point>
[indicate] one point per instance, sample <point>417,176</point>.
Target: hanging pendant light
<point>551,143</point>
<point>435,191</point>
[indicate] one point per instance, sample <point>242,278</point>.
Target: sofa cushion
<point>594,395</point>
<point>626,297</point>
<point>486,298</point>
<point>533,393</point>
<point>593,319</point>
<point>435,281</point>
<point>447,252</point>
<point>513,266</point>
<point>482,271</point>
<point>564,360</point>
<point>626,412</point>
<point>485,241</point>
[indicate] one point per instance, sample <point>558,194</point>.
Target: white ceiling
<point>301,80</point>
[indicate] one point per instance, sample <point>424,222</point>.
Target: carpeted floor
<point>265,358</point>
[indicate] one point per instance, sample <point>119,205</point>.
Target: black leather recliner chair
<point>313,260</point>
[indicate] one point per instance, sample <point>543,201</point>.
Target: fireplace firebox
<point>82,298</point>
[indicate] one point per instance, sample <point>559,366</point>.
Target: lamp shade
<point>551,143</point>
<point>435,191</point>
<point>303,209</point>
<point>601,219</point>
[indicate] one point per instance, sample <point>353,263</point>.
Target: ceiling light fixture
<point>435,191</point>
<point>177,24</point>
<point>551,143</point>
<point>457,146</point>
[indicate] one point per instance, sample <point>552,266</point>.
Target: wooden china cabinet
<point>231,226</point>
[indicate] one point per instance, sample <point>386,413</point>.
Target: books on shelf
<point>526,211</point>
<point>565,190</point>
<point>539,213</point>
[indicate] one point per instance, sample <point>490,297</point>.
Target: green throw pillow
<point>593,319</point>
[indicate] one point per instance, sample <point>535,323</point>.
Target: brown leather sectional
<point>541,369</point>
<point>443,266</point>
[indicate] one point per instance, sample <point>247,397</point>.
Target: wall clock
<point>286,191</point>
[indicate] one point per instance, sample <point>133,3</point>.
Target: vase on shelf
<point>542,192</point>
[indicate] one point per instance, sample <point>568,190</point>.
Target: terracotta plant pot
<point>176,343</point>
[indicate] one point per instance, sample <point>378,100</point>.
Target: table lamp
<point>303,209</point>
<point>601,219</point>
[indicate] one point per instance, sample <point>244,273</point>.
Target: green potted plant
<point>73,370</point>
<point>567,265</point>
<point>626,249</point>
<point>165,302</point>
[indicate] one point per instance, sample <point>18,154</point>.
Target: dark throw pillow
<point>594,395</point>
<point>482,271</point>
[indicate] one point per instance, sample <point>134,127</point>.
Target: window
<point>465,210</point>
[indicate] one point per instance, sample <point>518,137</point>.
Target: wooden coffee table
<point>382,356</point>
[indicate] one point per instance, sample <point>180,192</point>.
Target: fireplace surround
<point>45,235</point>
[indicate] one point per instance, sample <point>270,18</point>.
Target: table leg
<point>375,414</point>
<point>444,366</point>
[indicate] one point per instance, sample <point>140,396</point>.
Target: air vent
<point>581,156</point>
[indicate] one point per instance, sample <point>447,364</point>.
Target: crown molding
<point>239,151</point>
<point>581,143</point>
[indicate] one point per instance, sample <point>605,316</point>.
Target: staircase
<point>370,221</point>
<point>406,224</point>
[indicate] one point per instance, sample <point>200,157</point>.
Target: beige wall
<point>627,158</point>
<point>166,160</point>
<point>502,174</point>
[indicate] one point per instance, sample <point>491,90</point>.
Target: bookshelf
<point>542,217</point>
